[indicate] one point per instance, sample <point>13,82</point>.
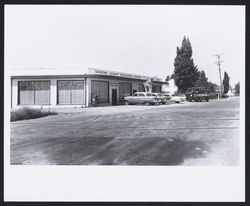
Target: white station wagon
<point>141,98</point>
<point>178,98</point>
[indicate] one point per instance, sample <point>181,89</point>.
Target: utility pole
<point>218,56</point>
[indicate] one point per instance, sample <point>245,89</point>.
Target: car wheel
<point>126,103</point>
<point>207,100</point>
<point>147,103</point>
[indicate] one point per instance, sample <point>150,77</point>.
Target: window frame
<point>140,85</point>
<point>155,87</point>
<point>130,88</point>
<point>94,80</point>
<point>34,89</point>
<point>57,91</point>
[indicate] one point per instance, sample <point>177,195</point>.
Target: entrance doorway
<point>114,96</point>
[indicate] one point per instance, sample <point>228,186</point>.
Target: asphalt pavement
<point>189,133</point>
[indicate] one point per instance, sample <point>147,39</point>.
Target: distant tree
<point>237,88</point>
<point>172,76</point>
<point>202,81</point>
<point>168,78</point>
<point>225,83</point>
<point>185,72</point>
<point>211,87</point>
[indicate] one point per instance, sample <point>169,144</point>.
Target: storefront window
<point>141,87</point>
<point>156,89</point>
<point>125,89</point>
<point>33,92</point>
<point>100,91</point>
<point>70,92</point>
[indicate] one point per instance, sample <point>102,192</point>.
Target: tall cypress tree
<point>237,88</point>
<point>202,80</point>
<point>185,73</point>
<point>225,83</point>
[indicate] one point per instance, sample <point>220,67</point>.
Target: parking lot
<point>189,133</point>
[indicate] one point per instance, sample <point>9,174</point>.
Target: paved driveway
<point>197,133</point>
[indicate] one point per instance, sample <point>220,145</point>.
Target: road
<point>190,133</point>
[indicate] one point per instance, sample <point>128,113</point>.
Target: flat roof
<point>90,72</point>
<point>47,72</point>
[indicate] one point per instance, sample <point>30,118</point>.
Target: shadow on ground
<point>109,151</point>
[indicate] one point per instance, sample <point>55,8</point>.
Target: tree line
<point>187,75</point>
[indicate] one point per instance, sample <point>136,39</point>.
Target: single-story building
<point>67,88</point>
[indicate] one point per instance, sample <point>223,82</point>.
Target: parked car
<point>168,96</point>
<point>224,96</point>
<point>197,94</point>
<point>142,98</point>
<point>213,95</point>
<point>176,98</point>
<point>183,97</point>
<point>162,98</point>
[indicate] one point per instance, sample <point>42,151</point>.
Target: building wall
<point>113,84</point>
<point>53,92</point>
<point>14,93</point>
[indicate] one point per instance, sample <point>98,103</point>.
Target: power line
<point>218,56</point>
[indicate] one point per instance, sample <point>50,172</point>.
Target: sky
<point>127,38</point>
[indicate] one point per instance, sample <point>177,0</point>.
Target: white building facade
<point>68,88</point>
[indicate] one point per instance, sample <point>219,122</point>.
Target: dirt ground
<point>189,133</point>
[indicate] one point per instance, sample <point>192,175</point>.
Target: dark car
<point>197,94</point>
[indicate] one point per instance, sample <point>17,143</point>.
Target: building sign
<point>102,72</point>
<point>116,74</point>
<point>113,84</point>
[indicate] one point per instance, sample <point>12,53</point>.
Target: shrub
<point>224,96</point>
<point>29,113</point>
<point>213,95</point>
